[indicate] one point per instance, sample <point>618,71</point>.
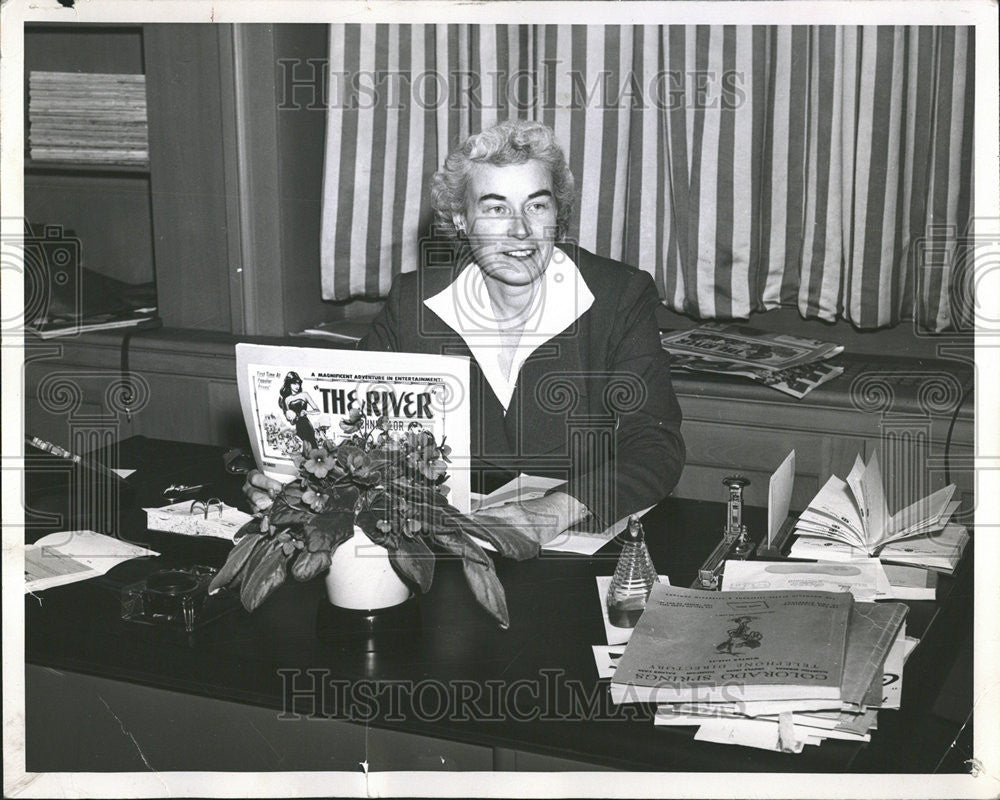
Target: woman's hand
<point>260,490</point>
<point>541,519</point>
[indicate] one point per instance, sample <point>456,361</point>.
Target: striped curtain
<point>745,168</point>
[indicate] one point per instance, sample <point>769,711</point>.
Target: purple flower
<point>319,462</point>
<point>315,500</point>
<point>357,463</point>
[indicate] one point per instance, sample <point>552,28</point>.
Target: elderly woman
<point>561,340</point>
<point>568,376</point>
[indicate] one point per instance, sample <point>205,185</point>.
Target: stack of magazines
<point>791,364</point>
<point>772,669</point>
<point>87,117</point>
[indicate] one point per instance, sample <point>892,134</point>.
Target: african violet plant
<point>393,488</point>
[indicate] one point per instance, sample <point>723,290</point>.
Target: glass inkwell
<point>633,579</point>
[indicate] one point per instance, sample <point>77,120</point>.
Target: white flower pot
<point>361,576</point>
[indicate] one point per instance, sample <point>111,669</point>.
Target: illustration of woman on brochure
<point>297,405</point>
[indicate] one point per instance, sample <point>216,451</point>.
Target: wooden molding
<point>250,140</point>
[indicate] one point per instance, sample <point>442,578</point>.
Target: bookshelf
<point>73,168</point>
<point>107,207</point>
<point>225,218</point>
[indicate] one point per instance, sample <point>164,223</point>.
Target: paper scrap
<point>747,732</point>
<point>186,517</point>
<point>864,577</point>
<point>779,496</point>
<point>614,634</point>
<point>606,658</point>
<point>123,473</point>
<point>788,742</point>
<point>892,671</point>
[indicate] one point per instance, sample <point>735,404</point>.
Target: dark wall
<point>301,140</point>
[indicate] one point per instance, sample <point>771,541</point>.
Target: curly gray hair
<point>513,141</point>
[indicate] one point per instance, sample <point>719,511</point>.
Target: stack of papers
<point>760,724</point>
<point>87,117</point>
<point>71,556</point>
<point>770,668</point>
<point>940,551</point>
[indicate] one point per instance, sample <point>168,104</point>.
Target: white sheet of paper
<point>869,492</point>
<point>864,578</point>
<point>476,500</point>
<point>123,473</point>
<point>892,671</point>
<point>606,658</point>
<point>588,543</point>
<point>517,490</point>
<point>614,634</point>
<point>779,496</point>
<point>670,718</point>
<point>95,554</point>
<point>834,511</point>
<point>529,487</point>
<point>223,523</point>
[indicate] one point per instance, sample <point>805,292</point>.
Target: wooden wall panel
<point>79,48</point>
<point>188,176</point>
<point>225,415</point>
<point>753,437</point>
<point>301,142</point>
<point>193,397</point>
<point>111,217</point>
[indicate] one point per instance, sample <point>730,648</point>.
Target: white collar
<point>465,306</point>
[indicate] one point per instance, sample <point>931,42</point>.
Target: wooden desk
<point>107,695</point>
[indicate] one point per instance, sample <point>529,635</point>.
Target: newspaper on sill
<point>791,364</point>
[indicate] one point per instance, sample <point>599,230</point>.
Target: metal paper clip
<point>206,505</point>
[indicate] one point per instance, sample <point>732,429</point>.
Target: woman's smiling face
<point>510,220</point>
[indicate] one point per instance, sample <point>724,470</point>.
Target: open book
<point>855,511</point>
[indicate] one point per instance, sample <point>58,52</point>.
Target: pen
<point>62,452</point>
